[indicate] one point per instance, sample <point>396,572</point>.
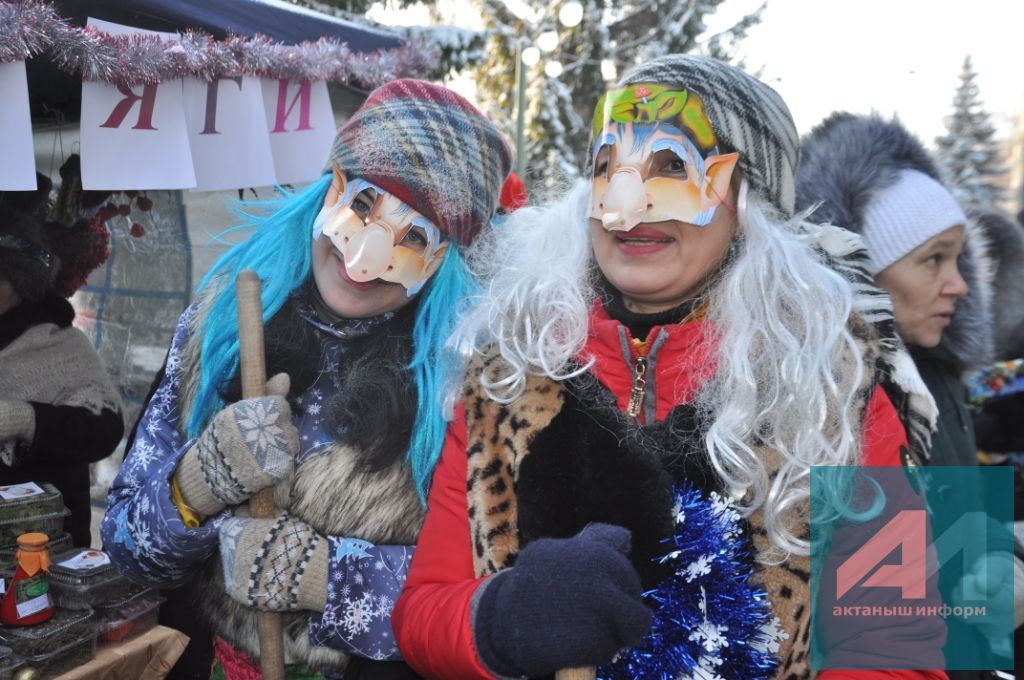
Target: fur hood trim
<point>1005,238</point>
<point>844,162</point>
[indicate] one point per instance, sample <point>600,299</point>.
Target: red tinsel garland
<point>31,28</point>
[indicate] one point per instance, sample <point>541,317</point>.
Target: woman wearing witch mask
<point>660,358</point>
<point>362,275</point>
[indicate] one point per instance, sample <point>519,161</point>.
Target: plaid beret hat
<point>431,148</point>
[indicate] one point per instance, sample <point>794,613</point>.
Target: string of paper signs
<point>28,29</point>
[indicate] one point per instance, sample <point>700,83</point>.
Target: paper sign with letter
<point>18,170</point>
<point>301,125</point>
<point>134,137</point>
<point>228,133</point>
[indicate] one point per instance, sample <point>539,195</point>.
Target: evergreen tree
<point>968,151</point>
<point>353,8</point>
<point>457,48</point>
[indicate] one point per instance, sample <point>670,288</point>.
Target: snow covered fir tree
<point>968,150</point>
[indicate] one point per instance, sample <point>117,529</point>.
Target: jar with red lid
<point>27,600</point>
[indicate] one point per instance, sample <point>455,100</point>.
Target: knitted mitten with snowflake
<point>250,445</point>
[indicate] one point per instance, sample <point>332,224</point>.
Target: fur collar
<point>844,161</point>
<point>51,309</point>
<point>595,464</point>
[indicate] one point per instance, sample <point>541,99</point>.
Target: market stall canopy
<point>275,19</point>
<point>56,95</point>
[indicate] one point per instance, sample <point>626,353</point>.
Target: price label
<point>87,559</point>
<point>14,492</point>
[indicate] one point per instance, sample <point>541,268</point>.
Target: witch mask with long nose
<point>379,235</point>
<point>656,159</point>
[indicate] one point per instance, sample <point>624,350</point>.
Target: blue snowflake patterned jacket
<point>147,540</point>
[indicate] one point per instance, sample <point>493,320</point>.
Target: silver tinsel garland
<point>30,28</point>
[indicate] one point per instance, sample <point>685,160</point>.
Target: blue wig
<point>434,368</point>
<point>280,252</point>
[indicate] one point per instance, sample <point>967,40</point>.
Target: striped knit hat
<point>747,116</point>
<point>431,148</point>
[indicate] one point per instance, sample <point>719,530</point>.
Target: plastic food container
<point>58,545</point>
<point>65,629</point>
<point>68,655</point>
<point>128,617</point>
<point>29,499</point>
<point>9,663</point>
<point>81,578</point>
<point>51,524</point>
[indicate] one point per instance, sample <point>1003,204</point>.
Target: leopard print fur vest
<point>563,455</point>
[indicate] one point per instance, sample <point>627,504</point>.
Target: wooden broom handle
<point>581,673</point>
<point>253,360</point>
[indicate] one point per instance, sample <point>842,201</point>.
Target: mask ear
<point>435,262</point>
<point>337,188</point>
<point>717,176</point>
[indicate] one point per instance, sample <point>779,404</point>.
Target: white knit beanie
<point>904,215</point>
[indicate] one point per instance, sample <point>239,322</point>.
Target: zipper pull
<point>636,395</point>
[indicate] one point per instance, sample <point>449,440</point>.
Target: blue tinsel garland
<point>710,621</point>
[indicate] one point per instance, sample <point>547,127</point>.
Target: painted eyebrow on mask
<point>432,232</point>
<point>686,151</point>
<point>641,131</point>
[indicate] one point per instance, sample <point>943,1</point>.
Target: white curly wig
<point>788,372</point>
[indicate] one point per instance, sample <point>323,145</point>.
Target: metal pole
<point>520,112</point>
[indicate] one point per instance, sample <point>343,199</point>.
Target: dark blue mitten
<point>567,602</point>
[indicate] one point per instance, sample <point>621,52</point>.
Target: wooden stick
<point>582,673</point>
<point>253,360</point>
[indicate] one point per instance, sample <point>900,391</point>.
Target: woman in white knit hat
<point>873,177</point>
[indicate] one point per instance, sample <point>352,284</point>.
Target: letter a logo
<point>907,530</point>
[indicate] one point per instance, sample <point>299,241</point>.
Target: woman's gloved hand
<point>567,602</point>
<point>275,564</point>
<point>996,579</point>
<point>250,445</point>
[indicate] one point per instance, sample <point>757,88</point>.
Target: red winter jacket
<point>432,616</point>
